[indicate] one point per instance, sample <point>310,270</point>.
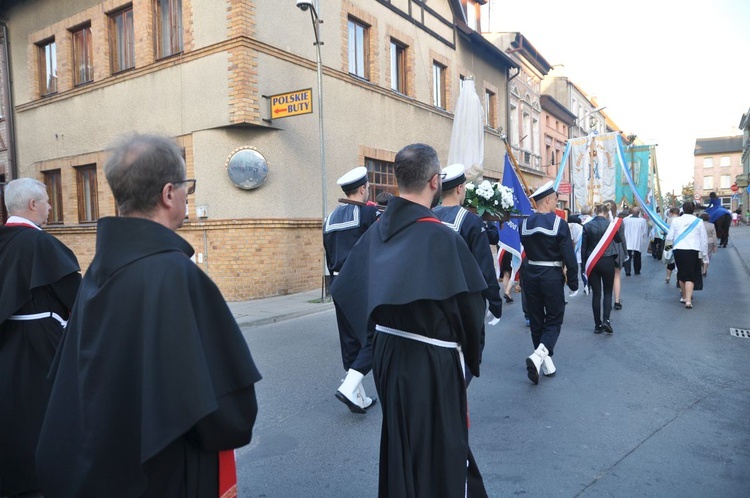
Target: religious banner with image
<point>638,160</point>
<point>578,148</point>
<point>603,168</point>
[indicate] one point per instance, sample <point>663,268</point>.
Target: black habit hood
<point>407,255</point>
<point>150,350</point>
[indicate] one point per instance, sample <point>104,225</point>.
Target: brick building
<point>86,71</point>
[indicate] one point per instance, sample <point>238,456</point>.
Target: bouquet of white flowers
<point>489,198</point>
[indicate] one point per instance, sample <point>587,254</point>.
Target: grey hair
<point>19,192</point>
<point>415,165</point>
<point>585,209</point>
<point>138,168</point>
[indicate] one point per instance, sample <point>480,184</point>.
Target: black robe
<point>152,377</point>
<point>412,273</point>
<point>39,274</point>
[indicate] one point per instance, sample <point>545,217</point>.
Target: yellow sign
<point>294,103</point>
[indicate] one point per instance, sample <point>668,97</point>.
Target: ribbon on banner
<point>639,157</point>
<point>655,217</point>
<point>602,245</point>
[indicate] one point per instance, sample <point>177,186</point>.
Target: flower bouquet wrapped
<point>491,201</point>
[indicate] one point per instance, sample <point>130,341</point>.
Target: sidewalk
<point>278,308</point>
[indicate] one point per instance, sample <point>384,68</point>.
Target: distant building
<point>743,179</point>
<point>718,162</point>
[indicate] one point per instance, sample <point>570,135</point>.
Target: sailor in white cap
<point>549,255</point>
<point>343,228</point>
<point>473,230</point>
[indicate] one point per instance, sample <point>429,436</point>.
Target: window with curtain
<point>398,67</point>
<point>725,161</point>
<point>168,29</point>
<point>725,181</point>
<point>52,179</point>
<point>83,56</point>
<point>358,53</point>
<point>708,162</point>
<point>88,196</point>
<point>438,85</point>
<point>489,109</point>
<point>122,39</point>
<point>708,182</point>
<point>47,67</point>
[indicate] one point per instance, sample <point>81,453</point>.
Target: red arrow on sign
<point>279,110</point>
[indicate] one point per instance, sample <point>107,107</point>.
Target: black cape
<point>152,377</point>
<point>412,273</point>
<point>39,274</point>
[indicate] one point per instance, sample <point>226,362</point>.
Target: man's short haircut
<point>704,216</point>
<point>635,211</point>
<point>138,168</point>
<point>674,210</point>
<point>20,191</point>
<point>586,209</point>
<point>688,207</point>
<point>415,165</point>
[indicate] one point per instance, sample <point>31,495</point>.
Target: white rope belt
<point>546,263</point>
<point>39,316</point>
<point>426,340</point>
<point>335,273</point>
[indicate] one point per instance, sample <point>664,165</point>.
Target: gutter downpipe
<point>10,110</point>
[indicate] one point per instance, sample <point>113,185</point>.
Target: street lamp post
<point>316,21</point>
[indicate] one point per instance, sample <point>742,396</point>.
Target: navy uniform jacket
<point>546,238</point>
<point>343,228</point>
<point>471,228</point>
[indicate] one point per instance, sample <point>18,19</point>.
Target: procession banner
<point>580,167</point>
<point>638,160</point>
<point>510,238</point>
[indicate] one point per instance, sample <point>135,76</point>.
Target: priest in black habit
<point>415,281</point>
<point>153,381</point>
<point>40,279</point>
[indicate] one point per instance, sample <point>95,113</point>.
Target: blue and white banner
<point>638,163</point>
<point>510,237</point>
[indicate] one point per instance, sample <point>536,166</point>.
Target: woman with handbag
<point>666,256</point>
<point>687,238</point>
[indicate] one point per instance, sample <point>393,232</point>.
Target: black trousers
<point>722,228</point>
<point>545,303</point>
<point>602,278</point>
<point>635,257</point>
<point>354,354</point>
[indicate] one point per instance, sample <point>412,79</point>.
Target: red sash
<point>596,255</point>
<point>227,475</point>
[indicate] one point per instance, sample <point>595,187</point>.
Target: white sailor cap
<point>543,191</point>
<point>353,179</point>
<point>454,176</point>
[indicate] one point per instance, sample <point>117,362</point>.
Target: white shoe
<point>365,401</point>
<point>534,363</point>
<point>586,290</point>
<point>548,367</point>
<point>348,391</point>
<point>573,294</point>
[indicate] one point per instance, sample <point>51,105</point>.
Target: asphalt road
<point>660,408</point>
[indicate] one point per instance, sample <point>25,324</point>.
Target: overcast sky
<point>670,71</point>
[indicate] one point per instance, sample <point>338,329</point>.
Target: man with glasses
<point>549,257</point>
<point>39,282</point>
<point>415,282</point>
<point>153,379</point>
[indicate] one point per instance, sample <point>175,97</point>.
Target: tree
<point>687,192</point>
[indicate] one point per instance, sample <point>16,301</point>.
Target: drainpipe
<point>9,109</point>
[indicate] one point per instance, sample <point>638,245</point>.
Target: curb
<point>255,322</point>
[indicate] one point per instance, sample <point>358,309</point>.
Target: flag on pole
<point>510,237</point>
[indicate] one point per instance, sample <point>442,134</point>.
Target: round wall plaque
<point>247,168</point>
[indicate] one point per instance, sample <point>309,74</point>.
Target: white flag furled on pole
<point>467,137</point>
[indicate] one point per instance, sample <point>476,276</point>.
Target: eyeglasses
<point>441,175</point>
<point>191,185</point>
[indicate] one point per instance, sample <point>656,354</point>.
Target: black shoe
<point>618,306</point>
<point>637,273</point>
<point>508,299</point>
<point>627,274</point>
<point>598,329</point>
<point>607,327</point>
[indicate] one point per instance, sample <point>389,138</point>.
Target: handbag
<point>667,257</point>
